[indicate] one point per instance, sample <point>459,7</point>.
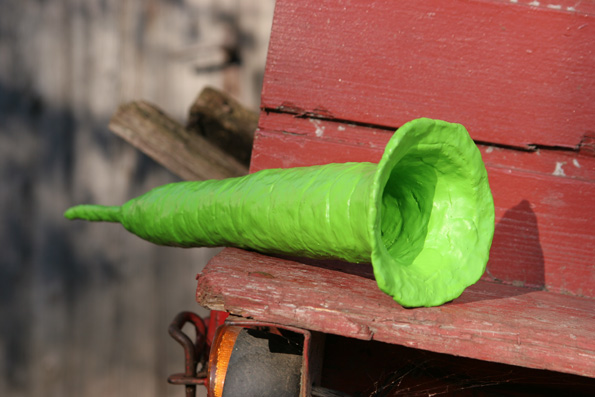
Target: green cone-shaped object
<point>423,216</point>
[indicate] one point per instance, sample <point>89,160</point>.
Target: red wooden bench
<point>341,76</point>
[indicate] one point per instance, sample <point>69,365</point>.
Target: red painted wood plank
<point>550,162</point>
<point>568,6</point>
<point>490,321</point>
<point>544,234</point>
<point>512,73</point>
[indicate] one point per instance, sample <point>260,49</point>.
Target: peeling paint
<point>319,128</point>
<point>559,171</point>
<point>536,3</point>
<point>576,163</point>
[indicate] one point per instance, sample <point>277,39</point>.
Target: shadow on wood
<point>527,269</point>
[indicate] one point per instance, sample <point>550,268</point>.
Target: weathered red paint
<point>519,75</point>
<point>563,163</point>
<point>490,321</point>
<point>512,73</point>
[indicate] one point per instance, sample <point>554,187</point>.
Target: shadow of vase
<point>516,256</point>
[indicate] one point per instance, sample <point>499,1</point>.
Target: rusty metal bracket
<point>194,352</point>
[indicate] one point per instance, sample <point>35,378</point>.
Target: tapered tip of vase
<point>94,213</point>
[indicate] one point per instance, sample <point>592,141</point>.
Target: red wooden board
<point>514,72</point>
<point>342,75</point>
<point>490,321</point>
<point>562,163</point>
<point>544,200</point>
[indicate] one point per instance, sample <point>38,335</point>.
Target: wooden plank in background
<point>189,155</point>
<point>543,233</point>
<point>490,321</point>
<point>512,73</point>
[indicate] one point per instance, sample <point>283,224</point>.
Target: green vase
<point>423,216</point>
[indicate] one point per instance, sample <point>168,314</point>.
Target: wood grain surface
<point>514,74</point>
<point>189,155</point>
<point>490,321</point>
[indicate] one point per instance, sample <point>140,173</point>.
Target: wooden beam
<point>190,156</point>
<point>225,122</point>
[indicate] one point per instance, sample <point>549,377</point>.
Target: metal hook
<point>194,352</point>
